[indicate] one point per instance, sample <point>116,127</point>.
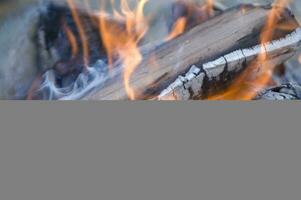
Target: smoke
<point>88,80</point>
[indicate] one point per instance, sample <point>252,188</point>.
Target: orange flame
<point>177,29</point>
<point>81,31</point>
<point>209,7</point>
<point>299,59</point>
<point>72,40</point>
<point>122,41</point>
<point>246,87</point>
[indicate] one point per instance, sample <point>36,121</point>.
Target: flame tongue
<point>122,42</point>
<point>178,28</point>
<point>81,31</point>
<point>209,7</point>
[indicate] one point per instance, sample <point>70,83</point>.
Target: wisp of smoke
<point>88,80</point>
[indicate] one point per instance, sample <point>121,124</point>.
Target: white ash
<point>180,88</point>
<point>189,86</point>
<point>235,60</point>
<point>215,68</point>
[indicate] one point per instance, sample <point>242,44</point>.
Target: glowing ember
<point>258,74</point>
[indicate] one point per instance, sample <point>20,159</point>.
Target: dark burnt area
<point>195,13</point>
<point>54,22</point>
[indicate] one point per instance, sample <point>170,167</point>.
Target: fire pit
<point>192,51</point>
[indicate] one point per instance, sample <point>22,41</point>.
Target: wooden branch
<point>232,30</point>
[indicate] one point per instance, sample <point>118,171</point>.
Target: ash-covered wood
<point>232,30</point>
<point>283,92</point>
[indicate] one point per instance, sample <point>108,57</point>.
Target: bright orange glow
<point>178,28</point>
<point>81,31</point>
<point>299,59</point>
<point>258,74</point>
<point>121,41</point>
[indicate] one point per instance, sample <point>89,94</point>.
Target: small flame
<point>299,59</point>
<point>247,86</point>
<point>72,40</point>
<point>81,31</point>
<point>209,7</point>
<point>177,29</point>
<point>198,12</point>
<point>122,42</point>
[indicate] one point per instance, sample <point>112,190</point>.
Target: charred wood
<point>283,92</point>
<point>60,44</point>
<point>192,84</point>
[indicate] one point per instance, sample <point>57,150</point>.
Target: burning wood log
<point>236,29</point>
<point>190,86</point>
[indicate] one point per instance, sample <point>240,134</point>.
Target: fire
<point>201,12</point>
<point>299,59</point>
<point>72,40</point>
<point>247,86</point>
<point>81,31</point>
<point>209,7</point>
<point>121,41</point>
<point>178,28</point>
<point>120,35</point>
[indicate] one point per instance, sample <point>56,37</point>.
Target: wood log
<point>231,30</point>
<point>191,85</point>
